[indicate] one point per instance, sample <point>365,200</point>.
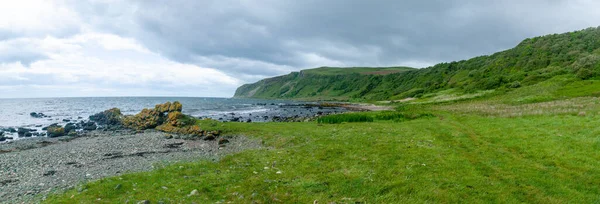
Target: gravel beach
<point>32,168</point>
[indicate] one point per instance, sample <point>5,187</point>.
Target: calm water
<point>15,112</point>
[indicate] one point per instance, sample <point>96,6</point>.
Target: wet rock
<point>2,138</point>
<point>38,115</point>
<point>11,130</point>
<point>70,127</point>
<point>28,134</point>
<point>23,131</point>
<point>89,126</point>
<point>66,120</point>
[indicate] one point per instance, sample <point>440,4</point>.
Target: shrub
<point>349,117</point>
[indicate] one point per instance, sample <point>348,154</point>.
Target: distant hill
<point>574,55</point>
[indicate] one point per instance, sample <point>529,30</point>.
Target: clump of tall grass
<point>348,117</point>
<point>401,116</point>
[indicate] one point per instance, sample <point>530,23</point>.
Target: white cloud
<point>98,63</point>
<point>38,17</point>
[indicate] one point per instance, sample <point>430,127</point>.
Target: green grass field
<point>441,153</point>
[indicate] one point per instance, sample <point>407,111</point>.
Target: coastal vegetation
<point>518,126</point>
<point>573,55</point>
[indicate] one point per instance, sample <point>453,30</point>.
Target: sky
<point>207,48</point>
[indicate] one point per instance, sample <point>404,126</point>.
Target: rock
<point>193,193</point>
<point>72,133</point>
<point>37,115</point>
<point>11,130</point>
<point>169,107</point>
<point>1,133</point>
<point>66,120</point>
<point>111,117</point>
<point>2,138</point>
<point>55,131</point>
<point>70,126</point>
<point>23,131</point>
<point>49,173</point>
<point>89,126</point>
<point>223,141</point>
<point>28,134</point>
<point>144,202</point>
<point>209,137</point>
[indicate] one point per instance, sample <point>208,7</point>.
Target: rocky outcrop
<point>110,117</point>
<point>165,117</point>
<point>152,118</point>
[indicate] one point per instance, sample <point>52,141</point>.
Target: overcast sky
<point>208,48</point>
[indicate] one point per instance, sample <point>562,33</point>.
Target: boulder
<point>11,130</point>
<point>55,131</point>
<point>110,117</point>
<point>70,126</point>
<point>2,138</point>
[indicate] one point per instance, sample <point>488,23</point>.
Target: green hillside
<point>325,83</point>
<point>574,55</point>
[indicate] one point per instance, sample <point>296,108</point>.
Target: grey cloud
<point>279,36</point>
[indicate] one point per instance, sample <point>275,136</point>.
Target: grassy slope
<point>325,83</point>
<point>535,152</point>
<point>533,61</point>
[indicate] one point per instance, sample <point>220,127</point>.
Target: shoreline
<point>31,169</point>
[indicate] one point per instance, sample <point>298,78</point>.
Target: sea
<point>15,113</point>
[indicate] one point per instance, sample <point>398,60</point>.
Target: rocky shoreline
<point>32,168</point>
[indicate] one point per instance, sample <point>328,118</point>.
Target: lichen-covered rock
<point>169,107</point>
<point>193,130</point>
<point>110,117</point>
<point>146,119</point>
<point>55,131</point>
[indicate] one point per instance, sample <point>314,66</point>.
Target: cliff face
<point>574,54</point>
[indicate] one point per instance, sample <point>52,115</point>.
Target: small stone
<point>209,137</point>
<point>223,141</point>
<point>278,172</point>
<point>164,187</point>
<point>49,173</point>
<point>144,202</point>
<point>193,193</point>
